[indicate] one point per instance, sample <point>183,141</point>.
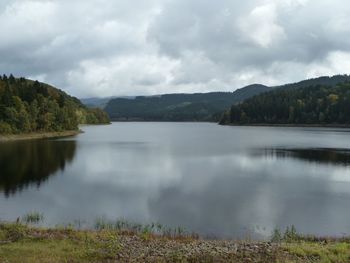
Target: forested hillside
<point>28,106</point>
<point>179,107</point>
<point>199,106</point>
<point>318,104</point>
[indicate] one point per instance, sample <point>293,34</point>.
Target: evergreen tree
<point>309,105</point>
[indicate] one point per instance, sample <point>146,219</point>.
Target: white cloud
<point>261,26</point>
<point>145,74</point>
<point>102,47</point>
<point>337,62</point>
<point>26,22</point>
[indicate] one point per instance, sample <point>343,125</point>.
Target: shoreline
<point>163,121</point>
<point>39,135</point>
<point>344,126</point>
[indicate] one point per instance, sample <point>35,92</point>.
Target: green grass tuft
<point>32,218</point>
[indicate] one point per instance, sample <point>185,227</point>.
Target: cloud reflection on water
<point>205,183</point>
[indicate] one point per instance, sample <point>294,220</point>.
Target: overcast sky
<point>128,47</point>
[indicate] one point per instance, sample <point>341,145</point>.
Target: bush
<point>5,128</point>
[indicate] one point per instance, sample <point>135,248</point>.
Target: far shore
<point>165,121</point>
<point>289,125</point>
<point>345,126</point>
<point>38,135</point>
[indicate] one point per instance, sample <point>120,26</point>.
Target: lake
<point>218,181</point>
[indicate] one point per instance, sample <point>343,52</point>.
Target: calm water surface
<point>218,181</point>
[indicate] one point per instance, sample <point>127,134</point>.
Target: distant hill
<point>179,107</point>
<point>249,91</point>
<point>96,102</point>
<point>317,104</point>
<point>191,107</point>
<point>28,106</point>
<point>325,80</point>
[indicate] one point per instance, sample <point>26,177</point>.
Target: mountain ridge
<point>207,106</point>
<point>178,106</point>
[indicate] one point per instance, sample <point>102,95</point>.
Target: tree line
<point>317,104</point>
<point>30,106</point>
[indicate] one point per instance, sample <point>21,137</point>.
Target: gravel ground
<point>135,249</point>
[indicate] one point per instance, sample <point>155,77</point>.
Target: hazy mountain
<point>101,103</point>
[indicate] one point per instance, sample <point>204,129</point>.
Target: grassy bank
<point>34,136</point>
<point>24,243</point>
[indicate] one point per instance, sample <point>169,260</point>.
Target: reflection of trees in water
<point>32,162</point>
<point>317,155</point>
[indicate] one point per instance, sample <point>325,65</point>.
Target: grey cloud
<point>214,29</point>
<point>149,80</point>
<point>159,46</point>
<point>255,35</point>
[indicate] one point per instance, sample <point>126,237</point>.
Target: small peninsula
<point>31,110</point>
